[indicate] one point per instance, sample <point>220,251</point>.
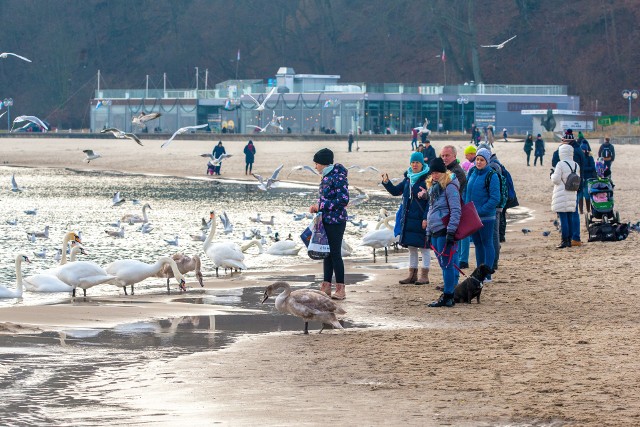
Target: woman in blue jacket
<point>443,194</point>
<point>413,217</point>
<point>484,192</point>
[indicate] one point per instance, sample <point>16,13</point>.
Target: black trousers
<point>333,263</point>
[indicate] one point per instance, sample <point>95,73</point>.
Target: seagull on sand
<point>303,167</point>
<point>122,135</point>
<point>14,185</point>
<point>91,155</point>
<point>117,199</point>
<point>260,107</point>
<point>181,131</point>
<point>269,183</point>
<point>501,45</point>
<point>6,54</point>
<point>142,118</point>
<point>32,119</point>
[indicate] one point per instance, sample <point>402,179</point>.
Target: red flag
<point>444,58</point>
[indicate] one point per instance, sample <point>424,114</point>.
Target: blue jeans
<point>575,222</point>
<point>483,241</point>
<point>566,224</point>
<point>449,273</point>
<point>464,249</point>
<point>496,240</point>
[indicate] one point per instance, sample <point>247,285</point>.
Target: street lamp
<point>8,102</point>
<point>462,101</point>
<point>629,95</point>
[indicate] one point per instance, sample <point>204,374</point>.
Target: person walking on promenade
<point>332,203</point>
<point>607,152</point>
<point>528,147</point>
<point>563,201</point>
<point>413,217</point>
<point>249,157</point>
<point>350,140</point>
<point>539,150</point>
<point>443,194</point>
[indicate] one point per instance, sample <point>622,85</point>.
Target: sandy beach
<point>554,341</point>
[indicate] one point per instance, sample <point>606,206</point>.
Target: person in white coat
<point>564,201</point>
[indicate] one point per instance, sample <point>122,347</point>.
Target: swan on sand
<point>308,304</point>
<point>130,271</point>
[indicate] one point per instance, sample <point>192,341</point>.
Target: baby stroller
<point>600,192</point>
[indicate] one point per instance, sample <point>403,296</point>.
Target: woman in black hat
<point>332,203</point>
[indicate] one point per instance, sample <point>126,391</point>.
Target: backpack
<point>573,180</point>
<point>512,199</point>
<point>504,191</point>
<point>606,153</point>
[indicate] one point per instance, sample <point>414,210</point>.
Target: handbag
<point>469,220</point>
<point>316,240</point>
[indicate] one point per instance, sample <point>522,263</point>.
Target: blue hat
<point>417,157</point>
<point>484,153</point>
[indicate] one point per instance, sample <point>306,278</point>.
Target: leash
<point>450,255</point>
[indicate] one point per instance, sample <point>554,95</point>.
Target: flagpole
<point>237,62</point>
<point>444,67</point>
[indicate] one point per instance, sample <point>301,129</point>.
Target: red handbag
<point>469,220</point>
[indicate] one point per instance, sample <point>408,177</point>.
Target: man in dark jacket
<point>607,152</point>
<point>578,157</point>
<point>449,154</point>
<point>429,153</point>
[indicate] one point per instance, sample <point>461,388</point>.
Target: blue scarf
<point>413,177</point>
<point>326,170</point>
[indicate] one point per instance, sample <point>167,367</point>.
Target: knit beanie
<point>485,146</point>
<point>437,165</point>
<point>470,150</point>
<point>484,153</point>
<point>323,157</point>
<point>417,157</point>
<point>580,135</point>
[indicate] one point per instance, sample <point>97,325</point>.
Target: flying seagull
<point>258,129</point>
<point>32,119</point>
<point>91,155</point>
<point>6,54</point>
<point>181,131</point>
<point>303,167</point>
<point>260,107</point>
<point>501,45</point>
<point>215,161</point>
<point>122,135</point>
<point>142,118</point>
<point>269,183</point>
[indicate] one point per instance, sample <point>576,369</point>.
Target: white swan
<point>131,271</point>
<point>380,238</point>
<point>253,242</point>
<point>284,247</point>
<point>48,283</point>
<point>135,218</point>
<point>8,293</point>
<point>82,274</point>
<point>223,254</point>
<point>309,304</point>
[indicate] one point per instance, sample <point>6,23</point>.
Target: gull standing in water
<point>90,155</point>
<point>181,131</point>
<point>269,183</point>
<point>122,135</point>
<point>4,55</point>
<point>14,185</point>
<point>117,199</point>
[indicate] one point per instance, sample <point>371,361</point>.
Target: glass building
<point>312,103</point>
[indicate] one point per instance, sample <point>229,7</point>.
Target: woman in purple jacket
<point>333,200</point>
<point>443,193</point>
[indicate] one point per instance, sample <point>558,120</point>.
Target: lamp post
<point>628,95</point>
<point>462,101</point>
<point>8,102</point>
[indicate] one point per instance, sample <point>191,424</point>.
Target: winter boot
<point>445,300</point>
<point>566,243</point>
<point>326,288</point>
<point>424,277</point>
<point>340,292</point>
<point>413,276</point>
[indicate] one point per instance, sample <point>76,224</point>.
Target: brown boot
<point>326,288</point>
<point>340,292</point>
<point>424,277</point>
<point>413,276</point>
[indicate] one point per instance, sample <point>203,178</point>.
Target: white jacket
<point>564,200</point>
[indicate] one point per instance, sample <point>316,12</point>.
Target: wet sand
<point>554,341</point>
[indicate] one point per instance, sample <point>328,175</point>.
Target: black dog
<point>471,287</point>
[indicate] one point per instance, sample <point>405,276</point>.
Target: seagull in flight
<point>117,199</point>
<point>303,167</point>
<point>269,183</point>
<point>258,129</point>
<point>215,161</point>
<point>181,131</point>
<point>14,185</point>
<point>359,199</point>
<point>91,155</point>
<point>363,169</point>
<point>6,54</point>
<point>501,45</point>
<point>142,118</point>
<point>32,119</point>
<point>122,135</point>
<point>260,107</point>
<point>276,121</point>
